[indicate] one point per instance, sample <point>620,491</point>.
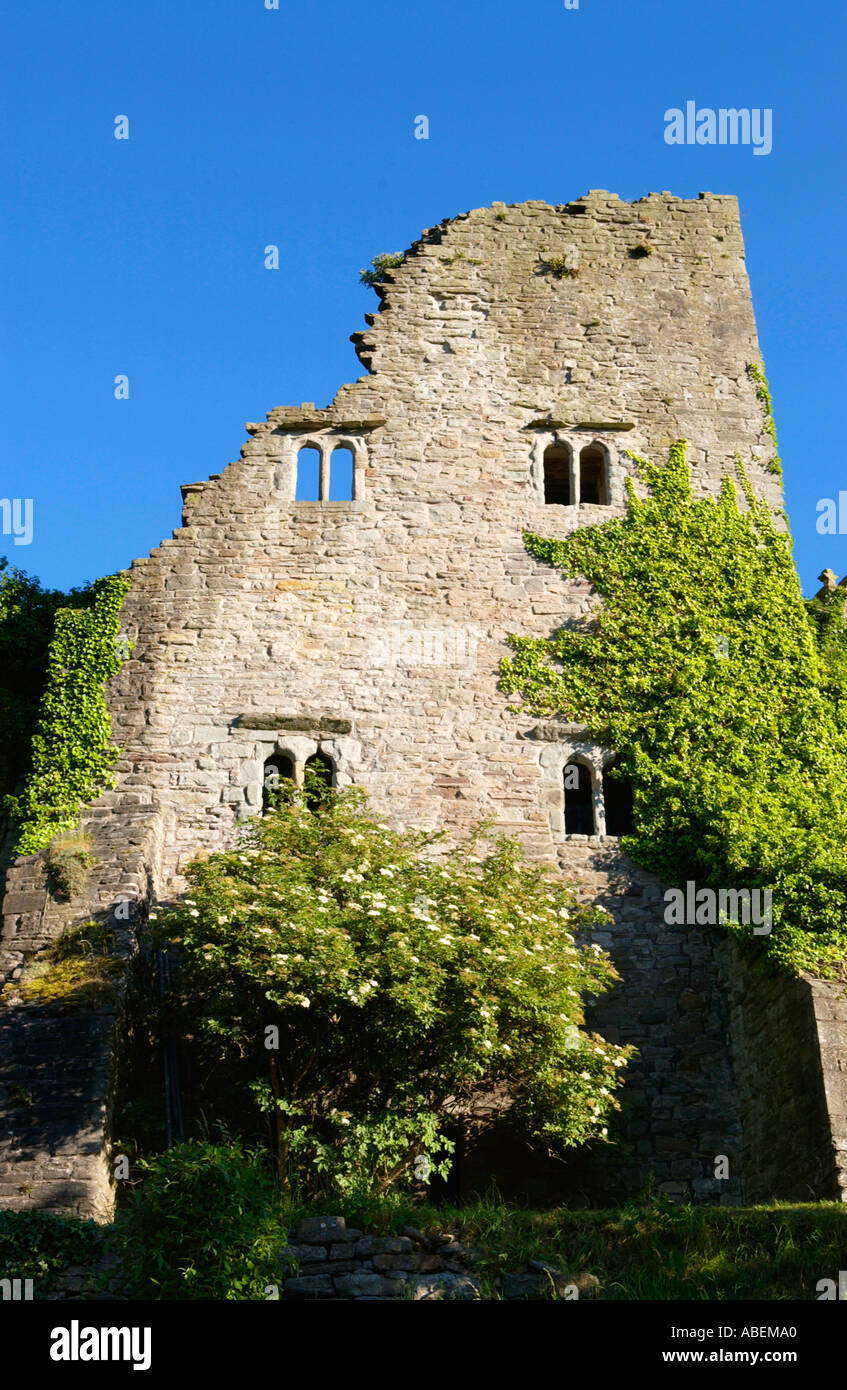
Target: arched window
<point>579,800</point>
<point>592,475</point>
<point>308,488</point>
<point>341,474</point>
<point>617,799</point>
<point>277,769</point>
<point>557,475</point>
<point>323,769</point>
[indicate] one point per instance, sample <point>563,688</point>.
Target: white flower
<point>304,1001</point>
<point>445,940</point>
<point>386,873</point>
<point>194,912</point>
<point>484,1013</point>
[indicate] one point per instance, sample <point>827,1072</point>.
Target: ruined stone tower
<point>519,352</point>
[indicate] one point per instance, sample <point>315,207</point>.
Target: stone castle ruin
<point>343,593</point>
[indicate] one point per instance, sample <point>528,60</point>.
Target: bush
<point>387,260</point>
<point>205,1222</point>
<point>371,992</point>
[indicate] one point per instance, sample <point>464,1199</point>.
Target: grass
<point>69,858</point>
<point>647,1250</point>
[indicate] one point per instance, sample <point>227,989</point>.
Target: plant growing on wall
<point>373,988</point>
<point>375,273</point>
<point>756,372</point>
<point>72,753</point>
<point>727,703</point>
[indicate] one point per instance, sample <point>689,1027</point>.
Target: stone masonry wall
<point>789,1039</point>
<point>58,1061</point>
<point>372,629</point>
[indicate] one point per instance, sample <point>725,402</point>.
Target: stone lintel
<point>318,725</point>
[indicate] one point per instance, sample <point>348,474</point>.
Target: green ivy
<point>27,619</point>
<point>72,753</point>
<point>724,694</point>
<point>757,374</point>
<point>38,1245</point>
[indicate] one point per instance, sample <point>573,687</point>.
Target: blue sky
<point>294,126</point>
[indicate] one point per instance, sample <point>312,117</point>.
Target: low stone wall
<point>326,1259</point>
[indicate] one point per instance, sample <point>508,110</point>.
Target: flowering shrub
<point>373,985</point>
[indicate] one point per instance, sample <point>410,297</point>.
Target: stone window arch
<point>277,768</point>
<point>594,474</point>
<point>342,473</point>
<point>325,467</point>
<point>572,782</point>
<point>569,470</point>
<point>558,468</point>
<point>307,487</point>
